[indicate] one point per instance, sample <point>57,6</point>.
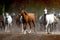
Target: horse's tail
<point>35,16</point>
<point>56,19</point>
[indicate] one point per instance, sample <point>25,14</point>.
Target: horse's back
<point>32,16</point>
<point>50,18</point>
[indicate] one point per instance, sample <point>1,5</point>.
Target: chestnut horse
<point>28,18</point>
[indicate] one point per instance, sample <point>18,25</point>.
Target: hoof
<point>29,31</point>
<point>48,33</point>
<point>24,32</point>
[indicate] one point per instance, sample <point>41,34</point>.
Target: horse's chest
<point>25,19</point>
<point>45,22</point>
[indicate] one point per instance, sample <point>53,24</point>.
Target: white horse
<point>9,22</point>
<point>48,20</point>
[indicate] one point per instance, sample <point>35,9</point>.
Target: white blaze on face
<point>45,10</point>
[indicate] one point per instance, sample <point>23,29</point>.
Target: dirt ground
<point>32,36</point>
<point>16,34</point>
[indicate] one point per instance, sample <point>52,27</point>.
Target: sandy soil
<point>32,36</point>
<point>15,34</point>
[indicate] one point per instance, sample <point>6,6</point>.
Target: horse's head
<point>45,10</point>
<point>23,12</point>
<point>7,14</point>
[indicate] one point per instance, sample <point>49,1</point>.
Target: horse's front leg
<point>7,28</point>
<point>22,27</point>
<point>47,27</point>
<point>25,24</point>
<point>10,26</point>
<point>3,25</point>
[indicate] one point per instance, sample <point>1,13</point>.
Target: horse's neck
<point>24,15</point>
<point>45,19</point>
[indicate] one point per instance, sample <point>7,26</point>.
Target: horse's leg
<point>30,27</point>
<point>8,28</point>
<point>22,27</point>
<point>34,25</point>
<point>3,25</point>
<point>55,27</point>
<point>41,27</point>
<point>47,27</point>
<point>51,27</point>
<point>25,24</point>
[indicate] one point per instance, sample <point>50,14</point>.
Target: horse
<point>13,18</point>
<point>49,19</point>
<point>18,19</point>
<point>8,22</point>
<point>41,19</point>
<point>28,18</point>
<point>2,24</point>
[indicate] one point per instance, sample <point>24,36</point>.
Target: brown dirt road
<point>32,36</point>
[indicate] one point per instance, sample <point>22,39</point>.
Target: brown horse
<point>16,19</point>
<point>28,18</point>
<point>2,24</point>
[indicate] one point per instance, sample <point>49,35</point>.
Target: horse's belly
<point>50,19</point>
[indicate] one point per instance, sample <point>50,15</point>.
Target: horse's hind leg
<point>34,26</point>
<point>30,27</point>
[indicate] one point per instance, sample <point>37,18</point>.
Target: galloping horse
<point>28,18</point>
<point>8,21</point>
<point>49,19</point>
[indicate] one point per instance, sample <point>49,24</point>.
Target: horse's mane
<point>24,11</point>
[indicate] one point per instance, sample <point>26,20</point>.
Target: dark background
<point>36,6</point>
